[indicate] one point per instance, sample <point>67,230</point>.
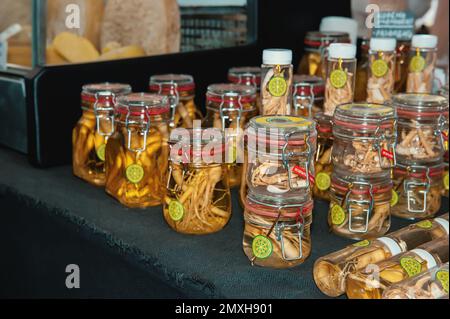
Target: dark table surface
<point>212,266</point>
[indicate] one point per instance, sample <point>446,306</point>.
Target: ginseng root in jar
<point>277,236</point>
<point>180,89</point>
<point>308,95</point>
<point>91,133</point>
<point>247,75</point>
<point>422,62</point>
<point>323,164</point>
<point>137,154</point>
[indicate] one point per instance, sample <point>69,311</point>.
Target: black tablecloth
<point>49,219</point>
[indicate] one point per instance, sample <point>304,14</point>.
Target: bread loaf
<point>74,48</point>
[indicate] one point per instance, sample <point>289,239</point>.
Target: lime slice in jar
<point>379,68</point>
<point>411,266</point>
<point>134,173</point>
<point>277,86</point>
<point>394,198</point>
<point>442,277</point>
<point>176,210</point>
<point>337,215</point>
<point>101,152</point>
<point>262,247</point>
<point>323,181</point>
<point>338,78</point>
<point>417,64</point>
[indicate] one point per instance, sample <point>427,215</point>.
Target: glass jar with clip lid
<point>247,75</point>
<point>308,95</point>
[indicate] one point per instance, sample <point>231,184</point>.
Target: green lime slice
<point>446,181</point>
<point>394,198</point>
<point>134,173</point>
<point>442,277</point>
<point>411,266</point>
<point>379,68</point>
<point>417,64</point>
<point>323,181</point>
<point>338,78</point>
<point>337,215</point>
<point>425,224</point>
<point>101,152</point>
<point>176,210</point>
<point>277,86</point>
<point>363,243</point>
<point>262,247</point>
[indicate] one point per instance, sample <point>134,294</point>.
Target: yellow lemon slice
<point>323,181</point>
<point>337,215</point>
<point>277,86</point>
<point>176,210</point>
<point>411,266</point>
<point>101,152</point>
<point>417,64</point>
<point>134,173</point>
<point>262,247</point>
<point>363,243</point>
<point>379,68</point>
<point>394,198</point>
<point>338,78</point>
<point>446,181</point>
<point>442,277</point>
<point>425,224</point>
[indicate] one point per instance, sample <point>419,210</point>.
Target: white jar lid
<point>383,44</point>
<point>342,50</point>
<point>391,244</point>
<point>425,255</point>
<point>424,41</point>
<point>342,24</point>
<point>443,223</point>
<point>277,56</point>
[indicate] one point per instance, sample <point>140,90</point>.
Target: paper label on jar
<point>300,171</point>
<point>411,266</point>
<point>442,278</point>
<point>176,210</point>
<point>277,86</point>
<point>387,154</point>
<point>134,173</point>
<point>379,68</point>
<point>338,78</point>
<point>262,247</point>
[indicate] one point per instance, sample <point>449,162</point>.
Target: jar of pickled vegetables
<point>364,139</point>
<point>91,133</point>
<point>422,123</point>
<point>277,79</point>
<point>308,95</point>
<point>180,89</point>
<point>362,75</point>
<point>331,271</point>
<point>421,63</point>
<point>366,284</point>
<point>360,209</point>
<point>280,159</point>
<point>315,44</point>
<point>381,70</point>
<point>340,82</point>
<point>198,197</point>
<point>401,65</point>
<point>277,236</point>
<point>417,191</point>
<point>247,75</point>
<point>229,107</point>
<point>323,164</point>
<point>137,154</point>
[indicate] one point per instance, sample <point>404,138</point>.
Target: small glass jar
<point>340,83</point>
<point>418,191</point>
<point>381,70</point>
<point>277,236</point>
<point>421,64</point>
<point>308,95</point>
<point>247,75</point>
<point>180,88</point>
<point>280,159</point>
<point>137,154</point>
<point>362,75</point>
<point>401,66</point>
<point>316,42</point>
<point>431,284</point>
<point>422,120</point>
<point>91,133</point>
<point>331,271</point>
<point>198,199</point>
<point>364,139</point>
<point>367,285</point>
<point>229,107</point>
<point>360,209</point>
<point>323,164</point>
<point>277,80</point>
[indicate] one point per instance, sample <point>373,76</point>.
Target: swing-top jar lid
<point>95,91</point>
<point>324,38</point>
<point>360,186</point>
<point>364,116</point>
<point>324,123</point>
<point>231,93</point>
<point>248,75</point>
<point>309,85</point>
<point>139,104</point>
<point>417,105</point>
<point>273,211</point>
<point>166,83</point>
<point>419,171</point>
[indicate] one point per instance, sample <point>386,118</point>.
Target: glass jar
<point>229,107</point>
<point>247,75</point>
<point>367,285</point>
<point>277,79</point>
<point>431,284</point>
<point>91,133</point>
<point>308,95</point>
<point>381,70</point>
<point>198,199</point>
<point>445,180</point>
<point>360,209</point>
<point>421,64</point>
<point>418,191</point>
<point>422,118</point>
<point>280,159</point>
<point>361,72</point>
<point>137,154</point>
<point>401,66</point>
<point>323,164</point>
<point>277,236</point>
<point>314,60</point>
<point>331,271</point>
<point>364,138</point>
<point>180,88</point>
<point>340,83</point>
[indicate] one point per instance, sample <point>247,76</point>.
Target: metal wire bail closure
<point>144,132</point>
<point>225,110</point>
<point>409,191</point>
<point>382,137</point>
<point>440,131</point>
<point>110,110</point>
<point>174,99</point>
<point>347,206</point>
<point>248,75</point>
<point>311,97</point>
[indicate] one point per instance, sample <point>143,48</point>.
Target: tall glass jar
<point>367,285</point>
<point>277,236</point>
<point>422,120</point>
<point>198,199</point>
<point>322,163</point>
<point>340,83</point>
<point>401,65</point>
<point>422,62</point>
<point>247,75</point>
<point>280,159</point>
<point>331,271</point>
<point>91,133</point>
<point>180,88</point>
<point>308,95</point>
<point>277,79</point>
<point>137,154</point>
<point>381,70</point>
<point>229,107</point>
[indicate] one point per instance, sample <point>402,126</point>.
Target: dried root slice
<point>418,143</point>
<point>363,158</point>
